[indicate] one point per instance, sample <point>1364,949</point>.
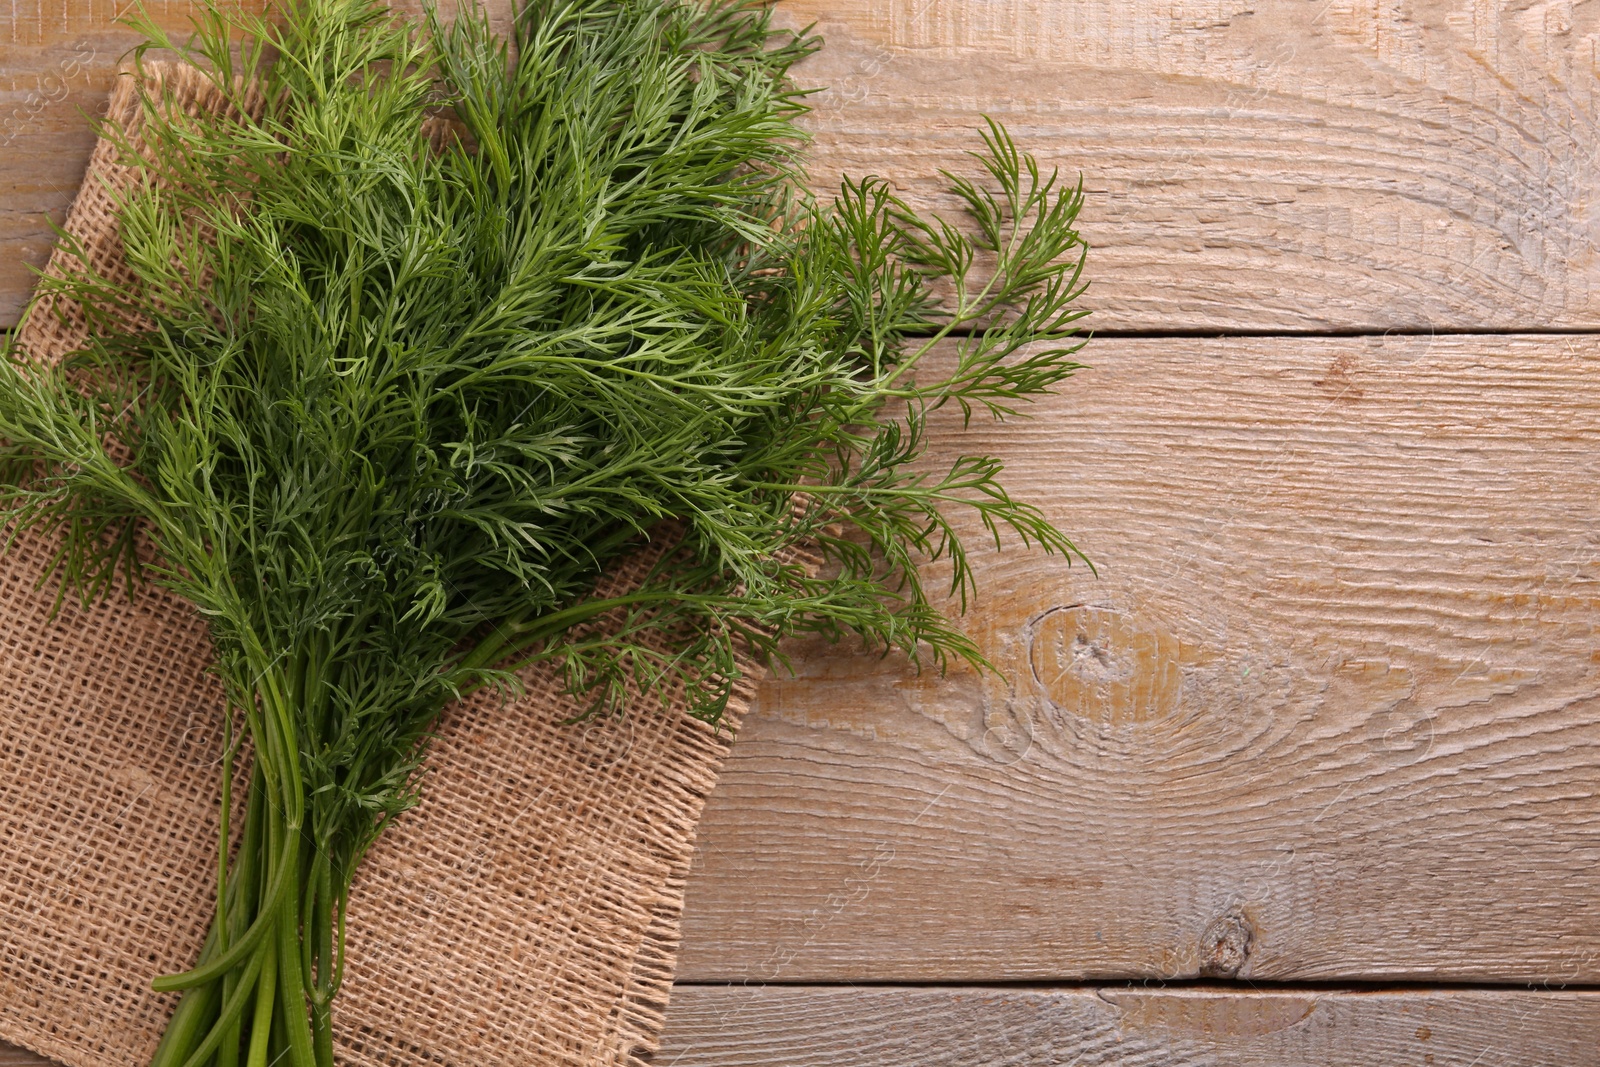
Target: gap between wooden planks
<point>789,1026</point>
<point>1306,166</point>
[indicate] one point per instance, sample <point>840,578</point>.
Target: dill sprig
<point>432,327</point>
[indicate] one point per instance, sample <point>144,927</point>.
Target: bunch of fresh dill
<point>445,327</point>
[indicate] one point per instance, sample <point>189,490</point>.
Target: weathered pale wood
<point>1330,710</point>
<point>1310,164</point>
<point>898,1027</point>
<point>1300,165</point>
<point>785,1026</point>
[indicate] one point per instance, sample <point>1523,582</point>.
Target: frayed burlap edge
<point>525,913</point>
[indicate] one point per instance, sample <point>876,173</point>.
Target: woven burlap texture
<point>525,913</point>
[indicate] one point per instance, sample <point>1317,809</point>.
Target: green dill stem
<point>316,952</point>
<point>511,638</point>
<point>222,1032</point>
<point>246,879</point>
<point>220,923</point>
<point>326,902</point>
<point>301,1049</point>
<point>261,1022</point>
<point>338,958</point>
<point>196,1013</point>
<point>232,1010</point>
<point>237,952</point>
<point>308,909</point>
<point>282,740</point>
<point>278,1046</point>
<point>322,1031</point>
<point>193,1014</point>
<point>230,1029</point>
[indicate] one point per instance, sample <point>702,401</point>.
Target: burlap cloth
<point>525,913</point>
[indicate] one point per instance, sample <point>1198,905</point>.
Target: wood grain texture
<point>1331,709</point>
<point>1304,164</point>
<point>782,1026</point>
<point>786,1026</point>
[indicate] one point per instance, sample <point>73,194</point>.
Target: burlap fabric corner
<point>525,913</point>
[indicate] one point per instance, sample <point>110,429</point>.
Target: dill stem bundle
<point>430,329</point>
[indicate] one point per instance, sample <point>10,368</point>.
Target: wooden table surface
<point>1308,774</point>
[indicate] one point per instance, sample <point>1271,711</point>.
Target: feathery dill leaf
<point>432,327</point>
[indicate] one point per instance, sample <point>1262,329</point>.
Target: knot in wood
<point>1225,945</point>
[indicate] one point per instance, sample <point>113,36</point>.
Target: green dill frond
<point>434,327</point>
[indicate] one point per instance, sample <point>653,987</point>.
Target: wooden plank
<point>735,1026</point>
<point>1296,165</point>
<point>1352,164</point>
<point>780,1026</point>
<point>1331,709</point>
